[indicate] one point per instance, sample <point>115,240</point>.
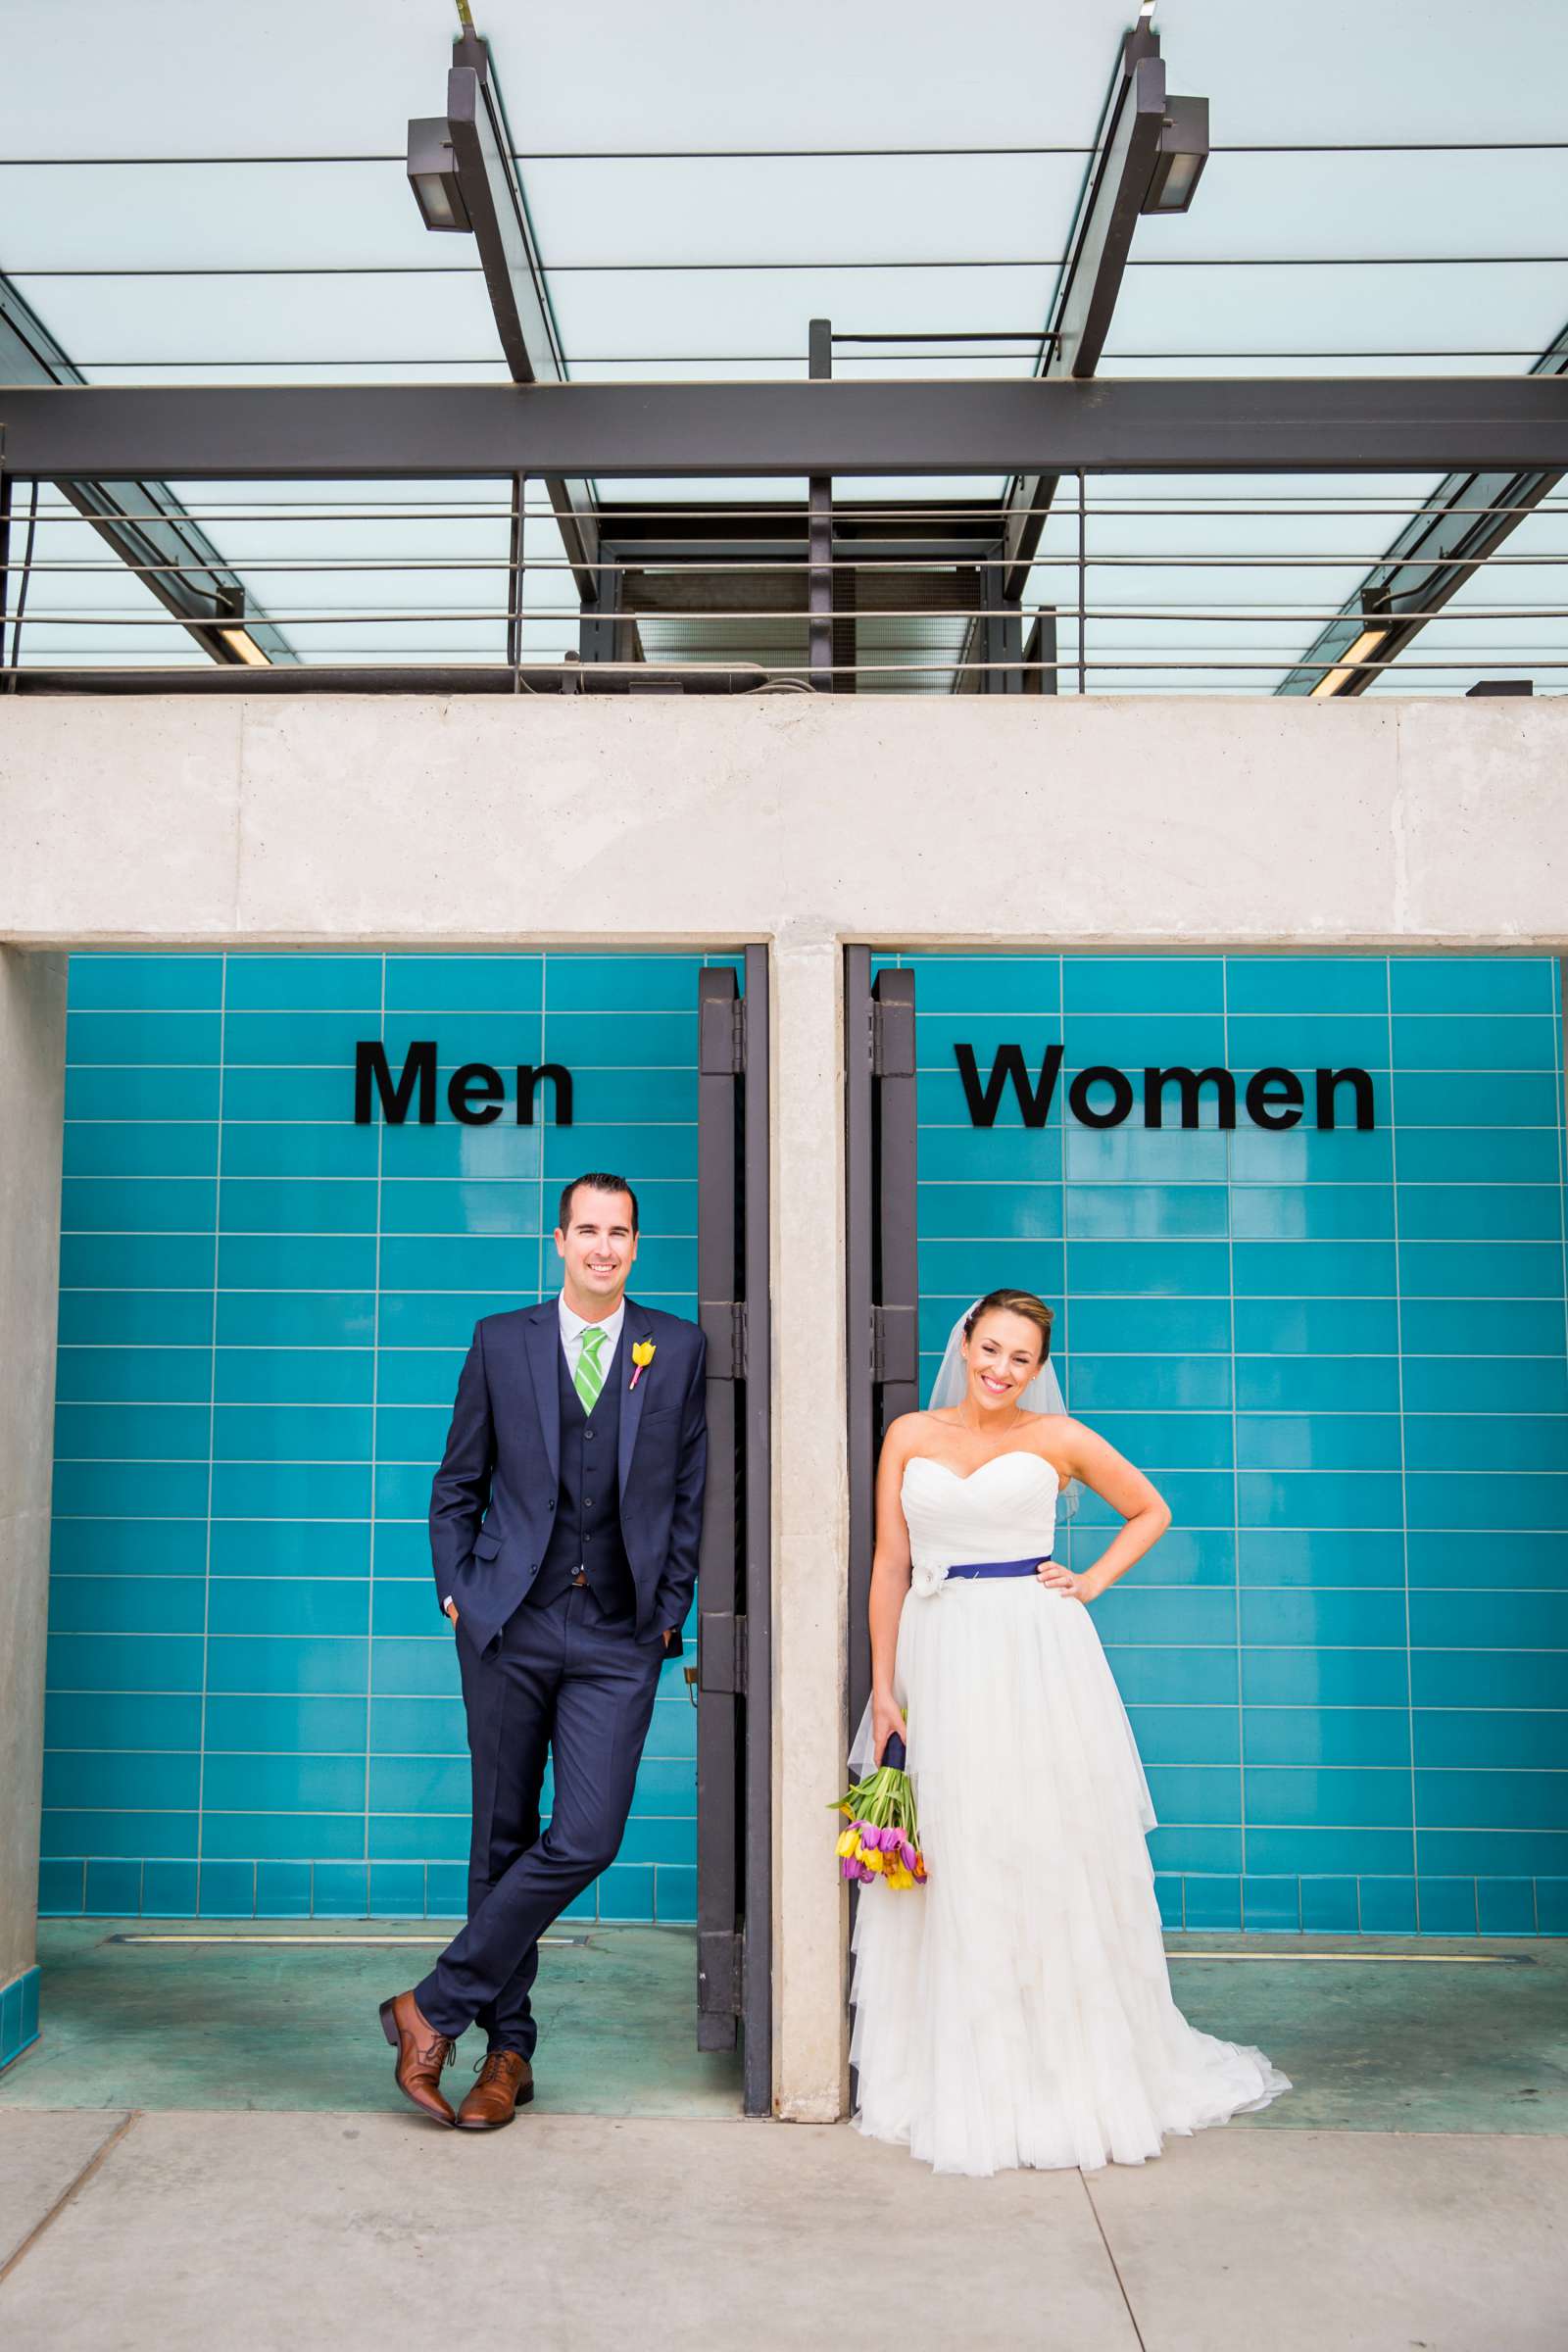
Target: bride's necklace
<point>970,1431</point>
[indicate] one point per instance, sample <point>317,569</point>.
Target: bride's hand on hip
<point>886,1719</point>
<point>1057,1578</point>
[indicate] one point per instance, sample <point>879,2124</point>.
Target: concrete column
<point>811,1524</point>
<point>32,1058</point>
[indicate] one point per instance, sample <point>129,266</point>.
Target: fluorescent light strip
<point>243,646</point>
<point>1333,681</point>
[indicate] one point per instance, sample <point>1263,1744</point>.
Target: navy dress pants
<point>564,1680</point>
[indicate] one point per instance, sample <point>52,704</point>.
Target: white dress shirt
<point>572,1327</point>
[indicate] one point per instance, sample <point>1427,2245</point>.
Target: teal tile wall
<point>18,2015</point>
<point>253,1703</point>
<point>1342,1358</point>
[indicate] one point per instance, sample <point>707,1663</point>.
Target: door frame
<point>882,1284</point>
<point>732,1680</point>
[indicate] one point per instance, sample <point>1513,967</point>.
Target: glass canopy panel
<point>83,606</point>
<point>358,571</point>
<point>1183,566</point>
<point>1374,202</point>
<point>1509,622</point>
<point>1400,308</point>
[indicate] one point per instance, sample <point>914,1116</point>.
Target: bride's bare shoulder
<point>1050,1430</point>
<point>905,1432</point>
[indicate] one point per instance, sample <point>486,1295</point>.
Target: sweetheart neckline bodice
<point>961,1516</point>
<point>1014,1453</point>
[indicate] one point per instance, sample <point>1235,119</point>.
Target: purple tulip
<point>907,1854</point>
<point>872,1836</point>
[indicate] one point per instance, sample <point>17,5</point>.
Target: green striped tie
<point>589,1377</point>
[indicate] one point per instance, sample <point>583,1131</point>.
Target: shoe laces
<point>491,2064</point>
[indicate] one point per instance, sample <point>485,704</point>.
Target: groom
<point>581,1423</point>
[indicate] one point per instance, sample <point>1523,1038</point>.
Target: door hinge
<point>724,1328</point>
<point>895,1343</point>
<point>892,1040</point>
<point>718,1972</point>
<point>720,1653</point>
<point>721,1038</point>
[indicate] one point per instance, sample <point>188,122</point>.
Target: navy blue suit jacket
<point>502,1467</point>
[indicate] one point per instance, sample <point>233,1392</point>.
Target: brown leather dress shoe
<point>422,2054</point>
<point>506,2084</point>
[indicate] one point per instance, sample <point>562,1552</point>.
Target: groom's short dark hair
<point>597,1180</point>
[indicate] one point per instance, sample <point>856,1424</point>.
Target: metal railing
<point>1126,593</point>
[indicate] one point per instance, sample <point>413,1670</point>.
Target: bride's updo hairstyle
<point>1014,1303</point>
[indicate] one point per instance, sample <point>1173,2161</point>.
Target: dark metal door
<point>884,1292</point>
<point>732,1678</point>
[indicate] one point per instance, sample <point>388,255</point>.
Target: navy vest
<point>587,1527</point>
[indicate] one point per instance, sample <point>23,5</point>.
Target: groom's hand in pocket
<point>452,1609</point>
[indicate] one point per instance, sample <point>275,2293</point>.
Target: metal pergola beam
<point>497,209</point>
<point>142,519</point>
<point>433,432</point>
<point>1098,250</point>
<point>1467,518</point>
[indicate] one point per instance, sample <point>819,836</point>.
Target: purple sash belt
<point>1001,1568</point>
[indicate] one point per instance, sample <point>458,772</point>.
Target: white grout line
<point>376,1395</point>
<point>211,1435</point>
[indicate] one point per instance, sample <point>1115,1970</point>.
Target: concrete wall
<point>32,1028</point>
<point>1096,822</point>
<point>1020,821</point>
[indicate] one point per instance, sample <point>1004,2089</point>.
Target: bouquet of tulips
<point>883,1838</point>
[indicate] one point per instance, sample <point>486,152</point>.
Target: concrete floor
<point>207,2149</point>
<point>238,2022</point>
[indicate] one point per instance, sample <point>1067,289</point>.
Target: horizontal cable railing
<point>843,590</point>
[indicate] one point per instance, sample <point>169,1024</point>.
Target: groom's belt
<point>1001,1568</point>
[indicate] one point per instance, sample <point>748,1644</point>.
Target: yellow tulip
<point>848,1843</point>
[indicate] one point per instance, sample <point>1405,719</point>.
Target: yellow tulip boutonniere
<point>642,1355</point>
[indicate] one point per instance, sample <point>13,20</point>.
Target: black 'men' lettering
<point>1189,1081</point>
<point>530,1079</point>
<point>1361,1085</point>
<point>418,1069</point>
<point>474,1095</point>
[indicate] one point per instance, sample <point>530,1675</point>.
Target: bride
<point>1016,2009</point>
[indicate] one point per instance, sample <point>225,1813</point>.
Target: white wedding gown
<point>1016,2009</point>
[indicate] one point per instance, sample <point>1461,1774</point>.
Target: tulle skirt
<point>1016,2010</point>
